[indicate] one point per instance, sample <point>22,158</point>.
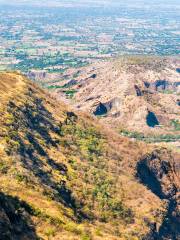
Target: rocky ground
<point>132,94</point>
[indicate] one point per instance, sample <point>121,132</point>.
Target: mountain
<point>136,95</point>
<point>63,175</point>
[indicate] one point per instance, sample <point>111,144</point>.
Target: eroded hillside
<point>134,94</point>
<point>64,176</point>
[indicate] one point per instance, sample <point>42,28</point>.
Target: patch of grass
<point>150,138</point>
<point>70,93</point>
<point>55,221</point>
<point>176,124</point>
<point>74,228</point>
<point>167,91</point>
<point>3,167</point>
<point>54,87</point>
<point>86,237</point>
<point>21,178</point>
<point>136,135</point>
<point>50,232</point>
<point>75,75</point>
<point>99,232</point>
<point>56,70</point>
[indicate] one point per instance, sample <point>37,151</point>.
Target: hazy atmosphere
<point>85,2</point>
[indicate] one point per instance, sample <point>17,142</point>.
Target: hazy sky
<point>85,2</point>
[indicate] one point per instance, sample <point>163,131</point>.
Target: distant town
<point>44,41</point>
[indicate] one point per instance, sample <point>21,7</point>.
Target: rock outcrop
<point>161,176</point>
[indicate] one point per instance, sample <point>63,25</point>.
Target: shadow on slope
<point>15,221</point>
<point>36,123</point>
<point>157,174</point>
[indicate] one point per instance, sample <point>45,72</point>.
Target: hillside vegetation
<point>63,176</point>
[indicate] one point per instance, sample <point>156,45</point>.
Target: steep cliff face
<point>161,175</point>
<point>15,222</point>
<point>64,176</point>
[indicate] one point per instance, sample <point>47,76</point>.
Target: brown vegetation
<point>63,177</point>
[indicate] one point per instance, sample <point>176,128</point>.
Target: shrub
<point>176,124</point>
<point>74,228</point>
<point>86,237</point>
<point>50,232</point>
<point>3,167</point>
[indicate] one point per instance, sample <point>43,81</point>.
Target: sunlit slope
<point>138,94</point>
<point>63,177</point>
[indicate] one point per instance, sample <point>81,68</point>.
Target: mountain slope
<point>64,176</point>
<point>134,93</point>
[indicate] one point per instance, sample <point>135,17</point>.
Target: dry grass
<point>78,179</point>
